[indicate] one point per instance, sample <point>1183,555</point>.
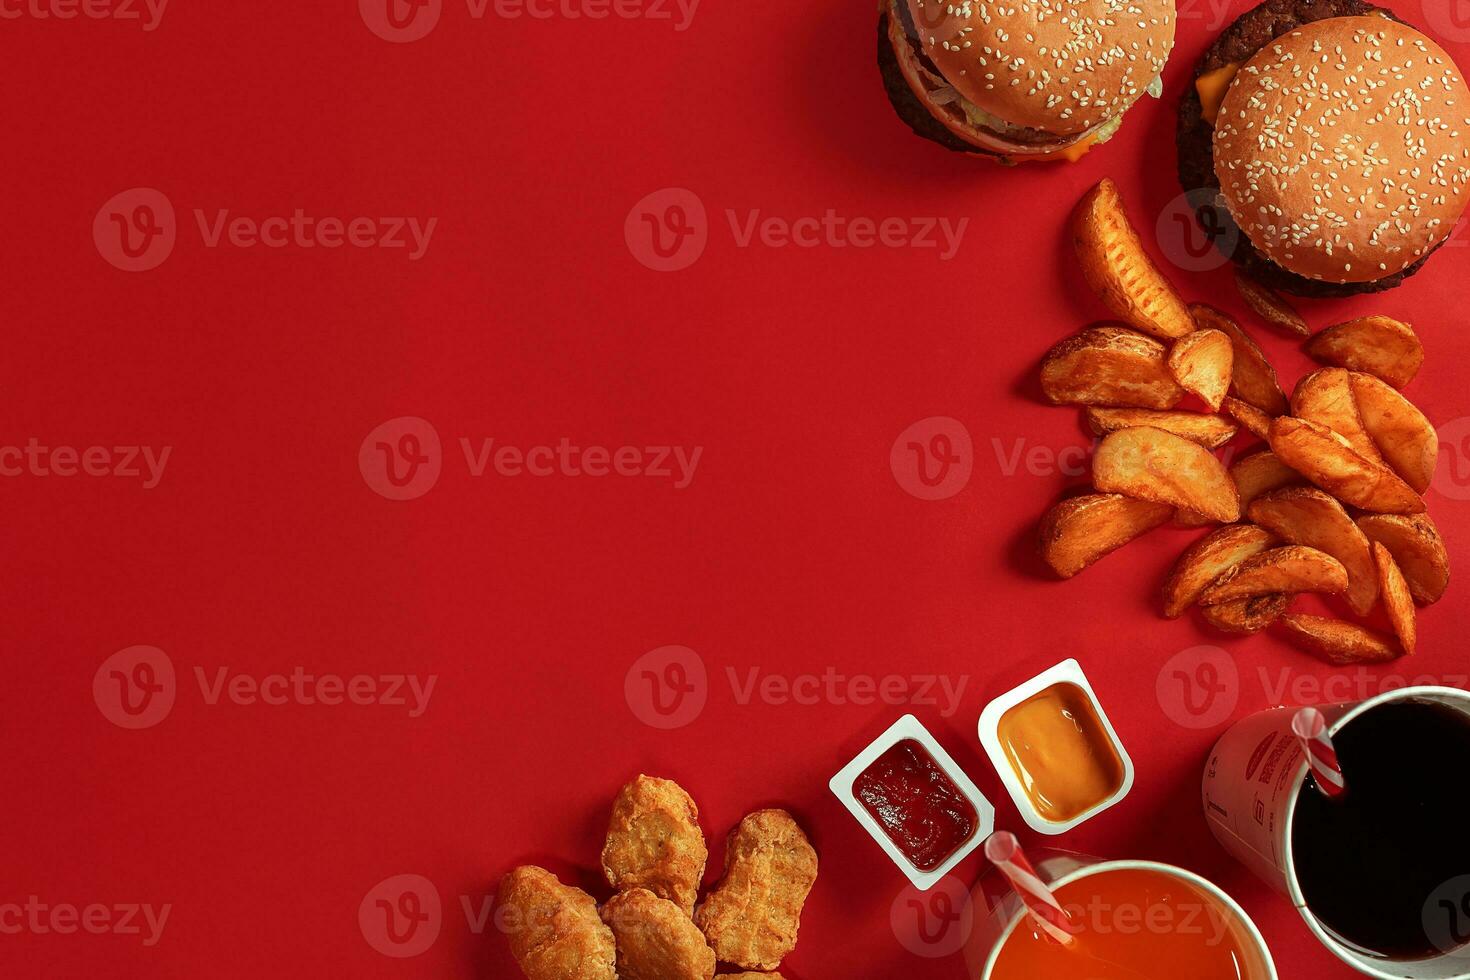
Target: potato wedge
<point>1207,559</point>
<point>1210,431</point>
<point>1378,345</point>
<point>1290,568</point>
<point>1260,473</point>
<point>1405,438</point>
<point>1339,642</point>
<point>1189,518</point>
<point>1326,396</point>
<point>1252,379</point>
<point>1152,464</point>
<point>1326,459</point>
<point>1307,516</point>
<point>1077,532</point>
<point>1396,598</point>
<point>1110,366</point>
<point>1202,363</point>
<point>1247,615</point>
<point>1271,306</point>
<point>1256,422</point>
<point>1417,547</point>
<point>1119,270</point>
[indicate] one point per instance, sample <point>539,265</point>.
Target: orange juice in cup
<point>1130,920</point>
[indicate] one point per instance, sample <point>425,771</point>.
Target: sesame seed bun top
<point>1343,148</point>
<point>1063,66</point>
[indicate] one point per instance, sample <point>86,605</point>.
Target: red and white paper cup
<point>1251,785</point>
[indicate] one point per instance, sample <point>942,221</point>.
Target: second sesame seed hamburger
<point>1329,144</point>
<point>1021,80</point>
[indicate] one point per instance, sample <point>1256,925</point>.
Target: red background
<point>794,549</point>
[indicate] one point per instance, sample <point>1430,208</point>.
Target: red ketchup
<point>919,807</point>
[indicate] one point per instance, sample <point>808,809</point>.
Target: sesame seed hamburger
<point>1336,140</point>
<point>1021,80</point>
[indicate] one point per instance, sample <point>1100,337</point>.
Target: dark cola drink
<point>1374,864</point>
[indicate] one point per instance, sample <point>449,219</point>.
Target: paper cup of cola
<point>1380,865</point>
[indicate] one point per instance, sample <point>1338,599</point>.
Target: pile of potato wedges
<point>1332,504</point>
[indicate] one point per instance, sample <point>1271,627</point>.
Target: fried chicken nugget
<point>656,939</point>
<point>751,916</point>
<point>553,929</point>
<point>654,842</point>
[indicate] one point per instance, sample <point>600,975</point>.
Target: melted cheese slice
<point>1071,153</point>
<point>1212,88</point>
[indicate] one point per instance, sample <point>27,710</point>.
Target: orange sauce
<point>1135,925</point>
<point>1061,752</point>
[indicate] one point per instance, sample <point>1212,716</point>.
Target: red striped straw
<point>1311,729</point>
<point>1004,851</point>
